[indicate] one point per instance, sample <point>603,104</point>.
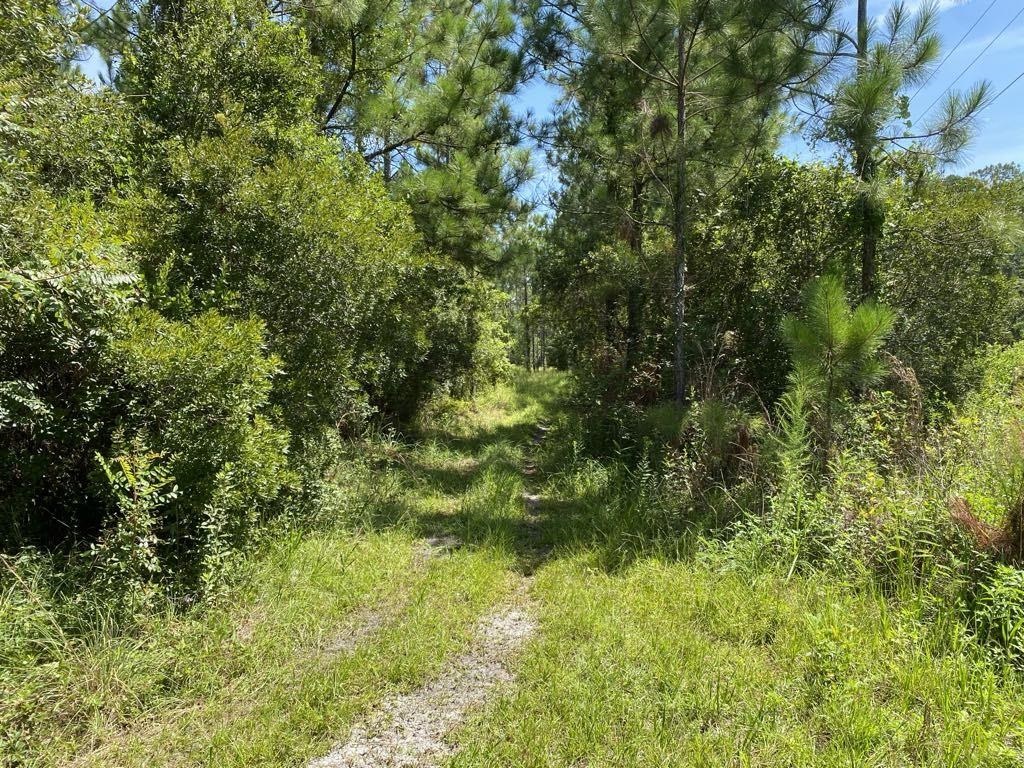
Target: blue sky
<point>1000,137</point>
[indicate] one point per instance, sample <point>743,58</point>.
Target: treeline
<point>677,222</point>
<point>948,265</point>
<point>273,225</point>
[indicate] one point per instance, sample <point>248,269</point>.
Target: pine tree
<point>867,114</point>
<point>420,90</point>
<point>709,76</point>
<point>834,350</point>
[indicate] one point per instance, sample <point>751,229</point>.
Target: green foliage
<point>868,112</point>
<point>55,131</point>
<point>83,372</point>
<point>420,90</point>
<point>66,290</point>
<point>985,442</point>
<point>779,225</point>
<point>360,314</point>
<point>196,281</point>
<point>789,649</point>
<point>869,104</point>
<point>313,247</point>
<point>834,351</point>
<point>218,57</point>
<point>127,552</point>
<point>199,392</point>
<point>230,277</point>
<point>948,268</point>
<point>998,614</point>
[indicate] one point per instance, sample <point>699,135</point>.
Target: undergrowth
<point>245,676</point>
<point>834,620</point>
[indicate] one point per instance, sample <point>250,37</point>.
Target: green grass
<point>656,647</point>
<point>253,681</point>
<point>675,663</point>
<point>289,694</point>
<point>659,647</point>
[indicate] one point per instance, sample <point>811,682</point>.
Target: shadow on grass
<point>481,474</point>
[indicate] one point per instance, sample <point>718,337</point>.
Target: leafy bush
<point>66,289</point>
<point>86,373</point>
<point>219,57</point>
<point>361,316</point>
<point>171,301</point>
<point>949,267</point>
<point>986,441</point>
<point>55,131</point>
<point>199,393</point>
<point>127,551</point>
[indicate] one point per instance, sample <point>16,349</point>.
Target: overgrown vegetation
<point>197,290</point>
<point>267,294</point>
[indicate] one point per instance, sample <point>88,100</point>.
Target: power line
<point>112,18</point>
<point>99,18</point>
<point>100,11</point>
<point>1004,90</point>
<point>973,61</point>
<point>953,50</point>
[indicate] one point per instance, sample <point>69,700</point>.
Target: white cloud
<point>943,5</point>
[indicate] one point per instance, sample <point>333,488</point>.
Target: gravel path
<point>411,730</point>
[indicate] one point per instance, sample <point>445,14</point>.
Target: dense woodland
<point>282,241</point>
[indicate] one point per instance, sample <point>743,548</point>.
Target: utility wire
<point>113,19</point>
<point>1004,90</point>
<point>952,50</point>
<point>98,10</point>
<point>974,60</point>
<point>99,18</point>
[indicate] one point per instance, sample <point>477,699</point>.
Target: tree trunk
<point>862,33</point>
<point>526,322</point>
<point>870,214</point>
<point>679,220</point>
<point>871,219</point>
<point>609,325</point>
<point>634,298</point>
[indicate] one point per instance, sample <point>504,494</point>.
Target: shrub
<point>219,57</point>
<point>66,289</point>
<point>360,315</point>
<point>127,552</point>
<point>168,303</point>
<point>948,263</point>
<point>86,372</point>
<point>199,393</point>
<point>986,442</point>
